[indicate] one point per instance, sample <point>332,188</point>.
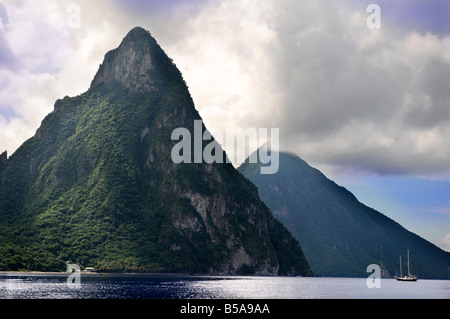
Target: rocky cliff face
<point>97,185</point>
<point>130,64</point>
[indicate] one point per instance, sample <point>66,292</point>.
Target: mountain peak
<point>138,35</point>
<point>131,63</point>
<point>3,157</point>
<point>137,32</point>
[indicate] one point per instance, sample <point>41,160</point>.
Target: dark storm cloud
<point>432,104</point>
<point>371,100</point>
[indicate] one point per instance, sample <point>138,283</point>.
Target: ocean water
<point>134,286</point>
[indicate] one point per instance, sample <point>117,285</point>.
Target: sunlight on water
<point>324,288</point>
<point>46,286</point>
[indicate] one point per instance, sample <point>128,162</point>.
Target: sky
<point>369,106</point>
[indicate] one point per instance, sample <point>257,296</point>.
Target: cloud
<point>416,15</point>
<point>366,99</point>
<point>7,58</point>
<point>152,6</point>
<point>442,210</point>
<point>4,16</point>
<point>43,59</point>
<point>446,242</point>
<point>373,100</point>
<point>343,95</point>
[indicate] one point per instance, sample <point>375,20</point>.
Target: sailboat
<point>408,277</point>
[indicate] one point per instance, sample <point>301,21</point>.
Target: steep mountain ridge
<point>96,184</point>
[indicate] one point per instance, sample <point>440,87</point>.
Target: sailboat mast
<point>407,277</point>
<point>408,262</point>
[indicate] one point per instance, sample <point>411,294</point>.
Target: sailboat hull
<point>406,278</point>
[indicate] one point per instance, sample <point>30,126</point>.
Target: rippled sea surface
<point>133,286</point>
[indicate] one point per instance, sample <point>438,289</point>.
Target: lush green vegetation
<point>96,186</point>
<point>339,235</point>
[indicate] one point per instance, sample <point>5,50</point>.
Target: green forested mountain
<point>96,184</point>
<point>339,235</point>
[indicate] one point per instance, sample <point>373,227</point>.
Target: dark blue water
<point>115,286</point>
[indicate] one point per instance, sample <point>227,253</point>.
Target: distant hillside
<point>339,235</point>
